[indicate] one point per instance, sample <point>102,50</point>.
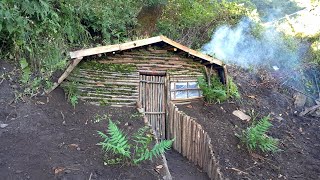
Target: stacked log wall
<point>121,88</point>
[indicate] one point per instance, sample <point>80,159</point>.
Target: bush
<point>192,22</point>
<point>72,92</point>
<point>43,31</point>
<point>255,137</point>
<point>218,92</point>
<point>118,144</point>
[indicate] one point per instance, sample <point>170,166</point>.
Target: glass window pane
<point>181,94</point>
<point>181,85</point>
<point>192,85</point>
<point>194,93</point>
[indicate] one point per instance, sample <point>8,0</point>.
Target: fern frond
<point>116,142</point>
<point>255,136</point>
<point>156,151</point>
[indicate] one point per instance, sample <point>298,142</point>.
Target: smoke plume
<point>237,45</point>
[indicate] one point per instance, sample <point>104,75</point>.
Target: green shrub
<point>193,22</point>
<point>72,92</point>
<point>233,91</point>
<point>41,32</point>
<point>118,144</point>
<point>255,137</point>
<point>218,92</point>
<point>214,93</point>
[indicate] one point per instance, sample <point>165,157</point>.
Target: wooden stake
<point>72,65</point>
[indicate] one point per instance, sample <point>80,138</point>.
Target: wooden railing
<point>192,141</point>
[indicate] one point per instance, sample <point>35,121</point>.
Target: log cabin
<point>150,72</point>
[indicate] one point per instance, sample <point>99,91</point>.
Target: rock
<point>67,171</point>
<point>14,86</point>
<point>241,115</point>
<point>19,171</point>
<point>299,99</point>
<point>3,125</point>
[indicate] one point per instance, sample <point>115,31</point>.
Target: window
<point>183,90</point>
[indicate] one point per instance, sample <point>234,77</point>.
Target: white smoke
<point>236,45</point>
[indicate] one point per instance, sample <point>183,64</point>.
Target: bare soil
<point>46,138</point>
<point>299,157</point>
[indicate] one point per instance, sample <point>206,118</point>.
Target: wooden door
<point>152,98</point>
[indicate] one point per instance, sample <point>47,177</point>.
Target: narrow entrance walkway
<point>181,168</point>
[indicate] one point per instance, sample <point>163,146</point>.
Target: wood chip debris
<point>241,115</point>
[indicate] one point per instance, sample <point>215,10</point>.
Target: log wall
<point>122,88</point>
<point>106,88</point>
<point>192,141</point>
<point>154,60</point>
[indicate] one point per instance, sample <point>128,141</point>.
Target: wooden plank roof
<point>139,43</point>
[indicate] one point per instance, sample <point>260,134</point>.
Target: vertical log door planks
<point>152,98</point>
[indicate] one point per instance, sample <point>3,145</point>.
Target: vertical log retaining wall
<point>192,141</point>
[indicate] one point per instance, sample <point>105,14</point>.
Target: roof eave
<point>139,43</point>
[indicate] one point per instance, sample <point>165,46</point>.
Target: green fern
<point>233,91</point>
<point>255,136</point>
<point>156,151</point>
<point>116,142</point>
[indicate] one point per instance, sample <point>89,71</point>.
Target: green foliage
<point>216,91</point>
<point>72,92</point>
<point>118,144</point>
<point>74,100</point>
<point>41,32</point>
<point>232,89</point>
<point>315,49</point>
<point>255,137</point>
<point>25,77</point>
<point>193,22</point>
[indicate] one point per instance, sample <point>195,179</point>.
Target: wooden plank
<point>181,130</point>
<point>113,48</point>
<point>197,143</point>
<point>189,135</point>
<point>155,112</point>
<point>191,51</point>
<point>183,126</point>
<point>152,82</point>
<point>163,106</point>
<point>66,73</point>
<point>205,162</point>
<point>202,152</point>
<point>139,43</point>
<point>194,141</point>
<point>178,131</point>
<point>174,127</point>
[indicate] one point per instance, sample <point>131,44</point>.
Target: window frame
<point>173,90</point>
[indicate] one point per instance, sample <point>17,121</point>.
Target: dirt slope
<point>299,136</point>
<point>46,138</point>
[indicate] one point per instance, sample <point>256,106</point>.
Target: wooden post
<point>66,73</point>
